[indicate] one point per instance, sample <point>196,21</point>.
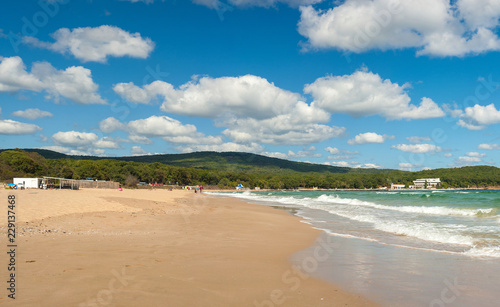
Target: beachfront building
<point>427,183</point>
<point>397,186</point>
<point>28,183</point>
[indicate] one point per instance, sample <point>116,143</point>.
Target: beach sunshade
<point>11,185</point>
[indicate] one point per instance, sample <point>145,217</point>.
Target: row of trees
<point>18,163</point>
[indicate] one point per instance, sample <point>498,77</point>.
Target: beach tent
<point>240,187</point>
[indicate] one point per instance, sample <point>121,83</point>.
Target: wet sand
<point>160,248</point>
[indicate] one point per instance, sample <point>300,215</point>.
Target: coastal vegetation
<point>227,170</point>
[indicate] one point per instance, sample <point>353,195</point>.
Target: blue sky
<point>384,83</point>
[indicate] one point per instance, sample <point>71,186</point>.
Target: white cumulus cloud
<point>96,44</point>
<point>12,127</point>
<point>365,93</point>
<point>160,126</point>
<point>489,146</point>
<point>475,154</point>
<point>138,151</point>
<point>417,148</point>
<point>74,82</point>
<point>74,138</point>
<point>111,124</point>
<point>32,114</point>
<point>478,117</point>
<point>225,147</point>
<point>437,28</point>
<point>250,107</point>
<point>369,138</point>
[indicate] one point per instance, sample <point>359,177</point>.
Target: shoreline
<point>163,247</point>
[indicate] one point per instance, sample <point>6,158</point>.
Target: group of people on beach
<point>197,188</point>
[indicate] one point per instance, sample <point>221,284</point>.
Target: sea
<point>403,248</point>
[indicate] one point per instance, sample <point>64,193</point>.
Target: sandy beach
<point>159,248</point>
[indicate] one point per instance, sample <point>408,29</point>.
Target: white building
<point>28,183</point>
<point>427,182</point>
<point>397,186</point>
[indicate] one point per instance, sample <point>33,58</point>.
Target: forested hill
<point>229,161</point>
<point>227,170</point>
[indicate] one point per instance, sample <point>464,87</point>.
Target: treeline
<point>18,163</point>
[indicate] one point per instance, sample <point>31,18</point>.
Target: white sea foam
<point>421,230</point>
<point>490,251</point>
<point>409,209</point>
<point>407,220</point>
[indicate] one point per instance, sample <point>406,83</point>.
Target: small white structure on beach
<point>428,183</point>
<point>28,183</point>
<point>397,186</point>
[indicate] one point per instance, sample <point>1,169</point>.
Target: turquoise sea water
<point>402,248</point>
<point>460,222</point>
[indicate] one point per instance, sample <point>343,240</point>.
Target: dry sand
<point>157,248</point>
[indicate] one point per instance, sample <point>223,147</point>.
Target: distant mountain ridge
<point>210,160</point>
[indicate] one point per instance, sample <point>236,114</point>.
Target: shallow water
<point>417,248</point>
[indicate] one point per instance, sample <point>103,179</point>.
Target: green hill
<point>227,170</point>
<point>228,161</point>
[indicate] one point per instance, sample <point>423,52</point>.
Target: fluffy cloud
<point>11,127</point>
<point>417,148</point>
<point>195,139</point>
<point>68,151</point>
<point>353,164</point>
<point>467,159</point>
<point>340,154</point>
<point>365,93</point>
<point>160,126</point>
<point>245,96</point>
<point>75,139</point>
<point>32,114</point>
<point>475,154</point>
<point>135,94</point>
<point>406,166</point>
<point>97,44</point>
<point>138,151</point>
<point>279,131</point>
<point>140,139</point>
<point>439,28</point>
<point>230,146</point>
<point>368,138</point>
<point>332,150</point>
<point>110,125</point>
<point>14,77</point>
<point>306,152</point>
<point>74,82</point>
<point>251,108</point>
<point>489,146</point>
<point>478,117</point>
<point>82,143</point>
<point>107,143</point>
